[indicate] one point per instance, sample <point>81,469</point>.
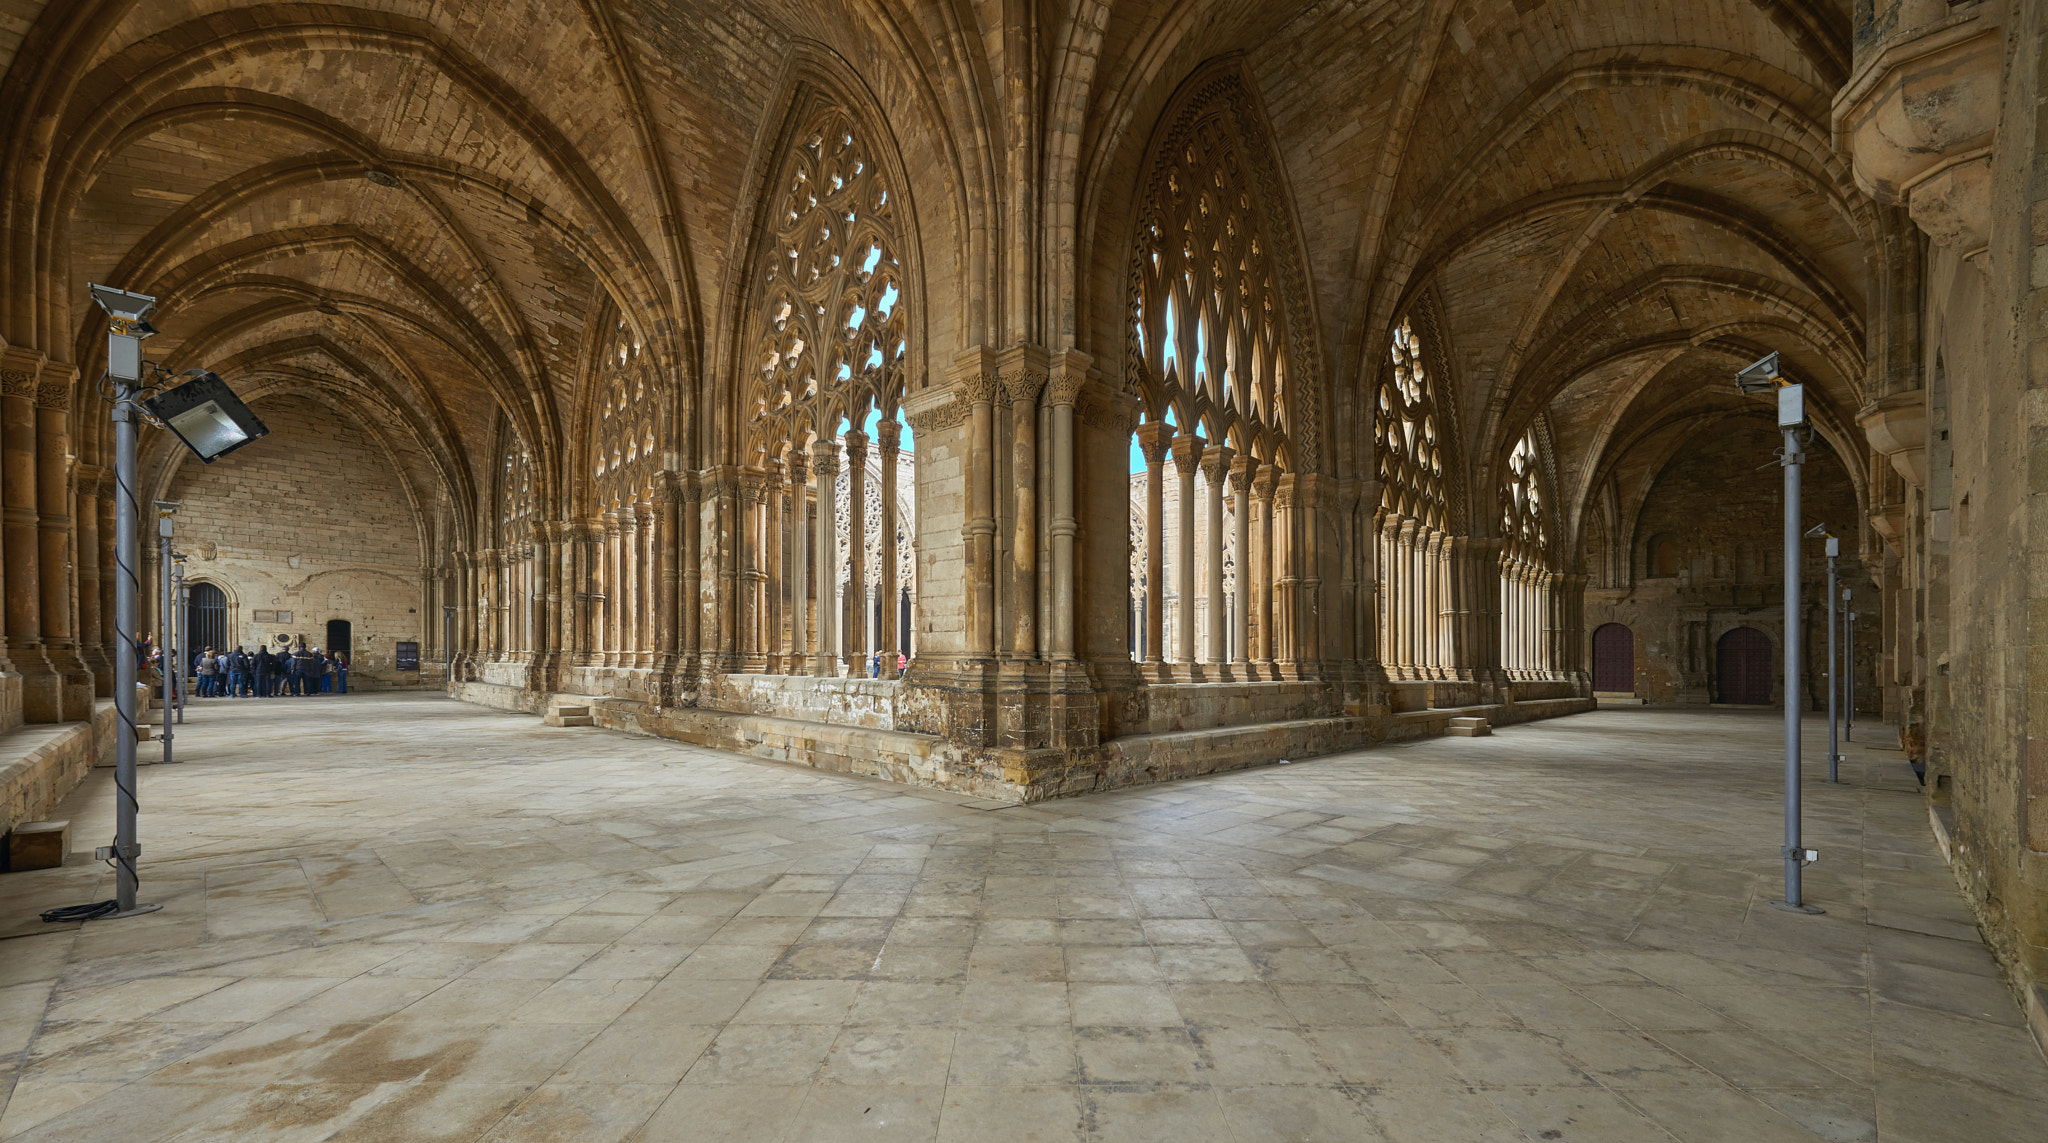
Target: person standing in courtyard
<point>208,670</point>
<point>341,672</point>
<point>238,673</point>
<point>259,670</point>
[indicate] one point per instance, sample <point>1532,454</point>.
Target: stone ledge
<point>40,763</point>
<point>1016,777</point>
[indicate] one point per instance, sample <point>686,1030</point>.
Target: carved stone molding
<point>15,383</point>
<point>938,418</point>
<point>53,395</point>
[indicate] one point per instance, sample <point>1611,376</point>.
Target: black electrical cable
<point>80,912</point>
<point>129,648</point>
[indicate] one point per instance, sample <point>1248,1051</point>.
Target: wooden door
<point>1743,667</point>
<point>1614,659</point>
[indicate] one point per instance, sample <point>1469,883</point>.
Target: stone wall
<point>41,764</point>
<point>311,520</point>
<point>1722,516</point>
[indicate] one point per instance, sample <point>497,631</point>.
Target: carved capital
<point>856,448</point>
<point>1069,377</point>
<point>888,437</point>
<point>1154,439</point>
<point>1187,453</point>
<point>1243,471</point>
<point>825,459</point>
<point>1216,464</point>
<point>53,395</point>
<point>15,383</point>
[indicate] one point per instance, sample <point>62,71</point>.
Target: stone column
<point>1262,565</point>
<point>20,523</point>
<point>92,635</point>
<point>855,609</point>
<point>772,510</point>
<point>1069,374</point>
<point>889,442</point>
<point>799,564</point>
<point>53,507</point>
<point>979,385</point>
<point>1155,438</point>
<point>753,570</point>
<point>1437,600</point>
<point>606,639</point>
<point>1215,468</point>
<point>1241,472</point>
<point>643,609</point>
<point>1023,376</point>
<point>1187,456</point>
<point>825,475</point>
<point>677,619</point>
<point>1286,577</point>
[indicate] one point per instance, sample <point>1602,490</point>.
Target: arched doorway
<point>206,617</point>
<point>1742,663</point>
<point>339,632</point>
<point>1614,659</point>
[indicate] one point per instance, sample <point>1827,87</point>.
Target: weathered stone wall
<point>1720,503</point>
<point>312,520</point>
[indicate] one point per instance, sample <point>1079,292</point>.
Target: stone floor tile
<point>585,1112</point>
<point>775,1054</point>
<point>883,1055</point>
<point>832,1113</point>
<point>1700,1114</point>
<point>1147,1116</point>
<point>720,1114</point>
<point>1010,1114</point>
<point>1129,1005</point>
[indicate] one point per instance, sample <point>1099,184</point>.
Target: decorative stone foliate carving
<point>53,395</point>
<point>939,418</point>
<point>1065,387</point>
<point>14,383</point>
<point>1023,384</point>
<point>979,387</point>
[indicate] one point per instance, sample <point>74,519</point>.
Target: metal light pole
<point>1763,377</point>
<point>173,669</point>
<point>448,645</point>
<point>1849,675</point>
<point>126,331</point>
<point>181,615</point>
<point>1834,676</point>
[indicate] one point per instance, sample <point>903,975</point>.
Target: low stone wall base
<point>1017,777</point>
<point>42,762</point>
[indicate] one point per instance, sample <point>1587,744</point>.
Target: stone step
<point>566,715</point>
<point>576,720</point>
<point>1469,726</point>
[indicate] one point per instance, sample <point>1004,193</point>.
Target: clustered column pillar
<point>799,564</point>
<point>1241,472</point>
<point>1286,578</point>
<point>1155,439</point>
<point>776,487</point>
<point>1262,565</point>
<point>855,608</point>
<point>1215,467</point>
<point>825,472</point>
<point>890,443</point>
<point>753,574</point>
<point>1187,456</point>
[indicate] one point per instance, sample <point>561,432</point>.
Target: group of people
<point>299,671</point>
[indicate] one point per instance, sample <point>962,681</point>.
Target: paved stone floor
<point>401,918</point>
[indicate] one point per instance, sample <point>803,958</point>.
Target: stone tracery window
<point>1414,514</point>
<point>624,422</point>
<point>517,509</point>
<point>830,318</point>
<point>1209,355</point>
<point>1525,561</point>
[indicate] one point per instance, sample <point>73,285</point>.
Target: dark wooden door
<point>1743,666</point>
<point>1614,659</point>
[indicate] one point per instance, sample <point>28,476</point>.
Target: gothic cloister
<point>1039,403</point>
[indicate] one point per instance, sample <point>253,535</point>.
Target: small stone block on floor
<point>1469,726</point>
<point>569,716</point>
<point>38,845</point>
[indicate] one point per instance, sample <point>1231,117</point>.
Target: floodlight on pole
<point>1761,377</point>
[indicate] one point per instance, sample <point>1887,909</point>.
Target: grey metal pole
<point>179,613</point>
<point>1849,676</point>
<point>1794,848</point>
<point>127,555</point>
<point>1834,754</point>
<point>172,668</point>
